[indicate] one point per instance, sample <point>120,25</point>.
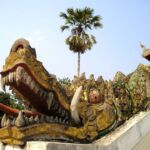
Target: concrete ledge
<point>127,135</point>
<point>123,138</point>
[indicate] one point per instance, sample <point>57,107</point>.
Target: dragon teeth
<point>63,113</point>
<point>67,122</point>
<point>25,76</point>
<point>2,84</point>
<point>13,76</point>
<point>31,120</point>
<point>36,89</point>
<point>13,122</point>
<point>9,77</point>
<point>56,106</point>
<point>47,119</point>
<point>20,120</point>
<point>42,119</point>
<point>51,118</point>
<point>59,120</point>
<point>8,123</point>
<point>6,79</point>
<point>44,95</point>
<point>28,80</point>
<point>27,120</point>
<point>49,99</point>
<point>19,74</point>
<point>32,85</point>
<point>4,120</point>
<point>36,119</point>
<point>63,121</point>
<point>41,92</point>
<point>56,119</point>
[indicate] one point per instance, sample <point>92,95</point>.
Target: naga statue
<point>80,112</point>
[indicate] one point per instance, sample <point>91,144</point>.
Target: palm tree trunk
<point>78,68</point>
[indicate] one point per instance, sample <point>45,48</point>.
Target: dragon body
<point>81,111</point>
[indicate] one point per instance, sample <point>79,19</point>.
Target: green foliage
<point>79,21</point>
<point>64,81</point>
<point>16,103</point>
<point>10,100</point>
<point>5,99</point>
<point>80,43</point>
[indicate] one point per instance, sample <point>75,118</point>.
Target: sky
<point>126,23</point>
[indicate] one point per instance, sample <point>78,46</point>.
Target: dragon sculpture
<point>81,111</point>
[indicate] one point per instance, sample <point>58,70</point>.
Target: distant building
<point>146,52</point>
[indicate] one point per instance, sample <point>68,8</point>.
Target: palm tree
<point>79,21</point>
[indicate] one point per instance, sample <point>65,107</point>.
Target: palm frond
<point>85,36</point>
<point>95,19</point>
<point>93,39</point>
<point>88,11</point>
<point>70,11</point>
<point>97,25</point>
<point>64,27</point>
<point>63,15</point>
<point>88,26</point>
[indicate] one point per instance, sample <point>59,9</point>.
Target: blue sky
<point>125,24</point>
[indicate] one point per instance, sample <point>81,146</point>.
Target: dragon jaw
<point>30,80</point>
<point>23,83</point>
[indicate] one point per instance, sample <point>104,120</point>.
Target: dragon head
<point>29,79</point>
<point>61,117</point>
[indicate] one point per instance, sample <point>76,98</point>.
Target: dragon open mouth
<point>20,79</point>
<point>27,77</point>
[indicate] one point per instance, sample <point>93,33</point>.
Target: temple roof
<point>146,52</point>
